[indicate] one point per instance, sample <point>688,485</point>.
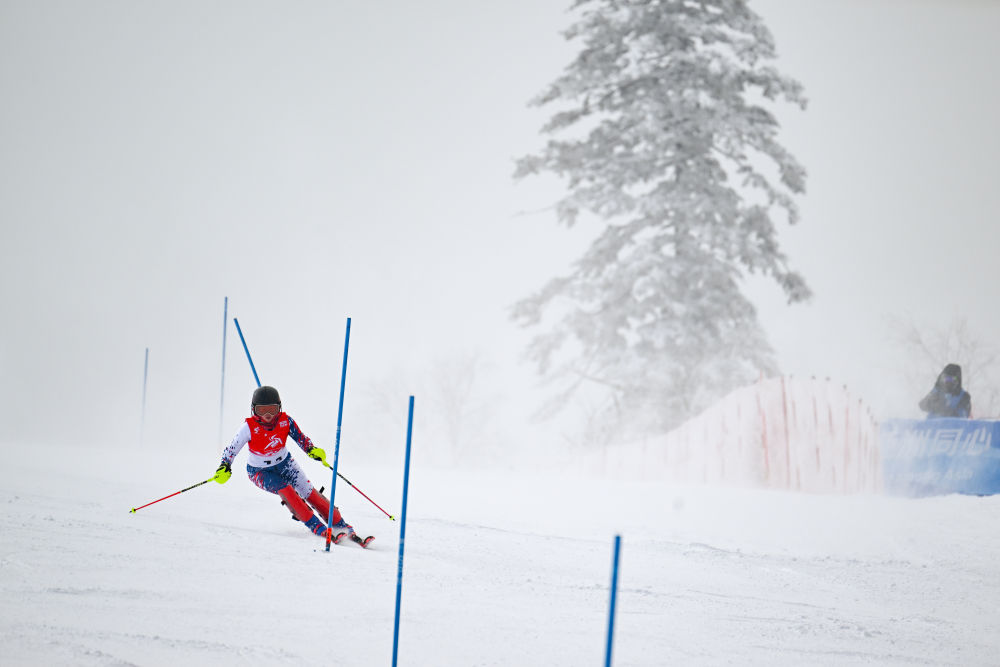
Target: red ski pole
<point>132,511</point>
<point>391,517</point>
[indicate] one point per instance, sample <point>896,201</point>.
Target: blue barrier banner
<point>937,456</point>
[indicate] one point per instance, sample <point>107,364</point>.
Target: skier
<point>947,398</point>
<point>271,467</point>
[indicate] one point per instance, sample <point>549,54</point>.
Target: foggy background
<point>318,161</point>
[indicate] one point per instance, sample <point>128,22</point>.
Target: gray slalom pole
<point>142,419</point>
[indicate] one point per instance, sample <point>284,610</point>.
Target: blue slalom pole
<point>402,534</point>
<point>340,415</point>
<point>222,389</point>
<point>247,350</point>
<point>614,594</point>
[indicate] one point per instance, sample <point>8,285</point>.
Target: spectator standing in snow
<point>271,467</point>
<point>947,398</point>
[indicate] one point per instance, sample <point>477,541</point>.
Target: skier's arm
<point>296,434</point>
<point>241,438</point>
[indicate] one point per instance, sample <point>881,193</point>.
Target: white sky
<point>901,215</point>
<point>313,161</point>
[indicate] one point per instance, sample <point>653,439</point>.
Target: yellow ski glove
<point>318,454</point>
<point>223,473</point>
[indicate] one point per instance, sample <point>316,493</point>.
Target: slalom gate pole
<point>402,534</point>
<point>614,593</point>
<point>145,376</point>
<point>247,350</point>
<point>343,376</point>
<point>133,510</point>
<point>222,387</point>
<point>336,447</point>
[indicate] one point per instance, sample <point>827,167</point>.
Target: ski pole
<point>132,511</point>
<point>391,517</point>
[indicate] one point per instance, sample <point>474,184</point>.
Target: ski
<point>362,541</point>
<point>334,538</point>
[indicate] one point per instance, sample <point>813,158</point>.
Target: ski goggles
<point>267,411</point>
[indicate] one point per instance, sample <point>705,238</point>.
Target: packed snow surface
<point>501,568</point>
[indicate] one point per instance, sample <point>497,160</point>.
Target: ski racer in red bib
<point>271,467</point>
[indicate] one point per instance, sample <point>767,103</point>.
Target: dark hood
<point>953,370</point>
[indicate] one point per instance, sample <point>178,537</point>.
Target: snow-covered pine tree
<point>660,129</point>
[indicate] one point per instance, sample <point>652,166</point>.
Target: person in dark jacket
<point>947,398</point>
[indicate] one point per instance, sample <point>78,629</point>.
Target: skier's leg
<point>322,505</point>
<point>267,479</point>
<point>277,479</point>
<point>293,473</point>
<point>319,502</point>
<point>301,511</point>
<point>294,477</point>
<point>295,504</point>
<point>298,480</point>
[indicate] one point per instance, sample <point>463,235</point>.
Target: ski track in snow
<point>500,569</point>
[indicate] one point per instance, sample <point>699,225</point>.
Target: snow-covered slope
<point>500,569</point>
